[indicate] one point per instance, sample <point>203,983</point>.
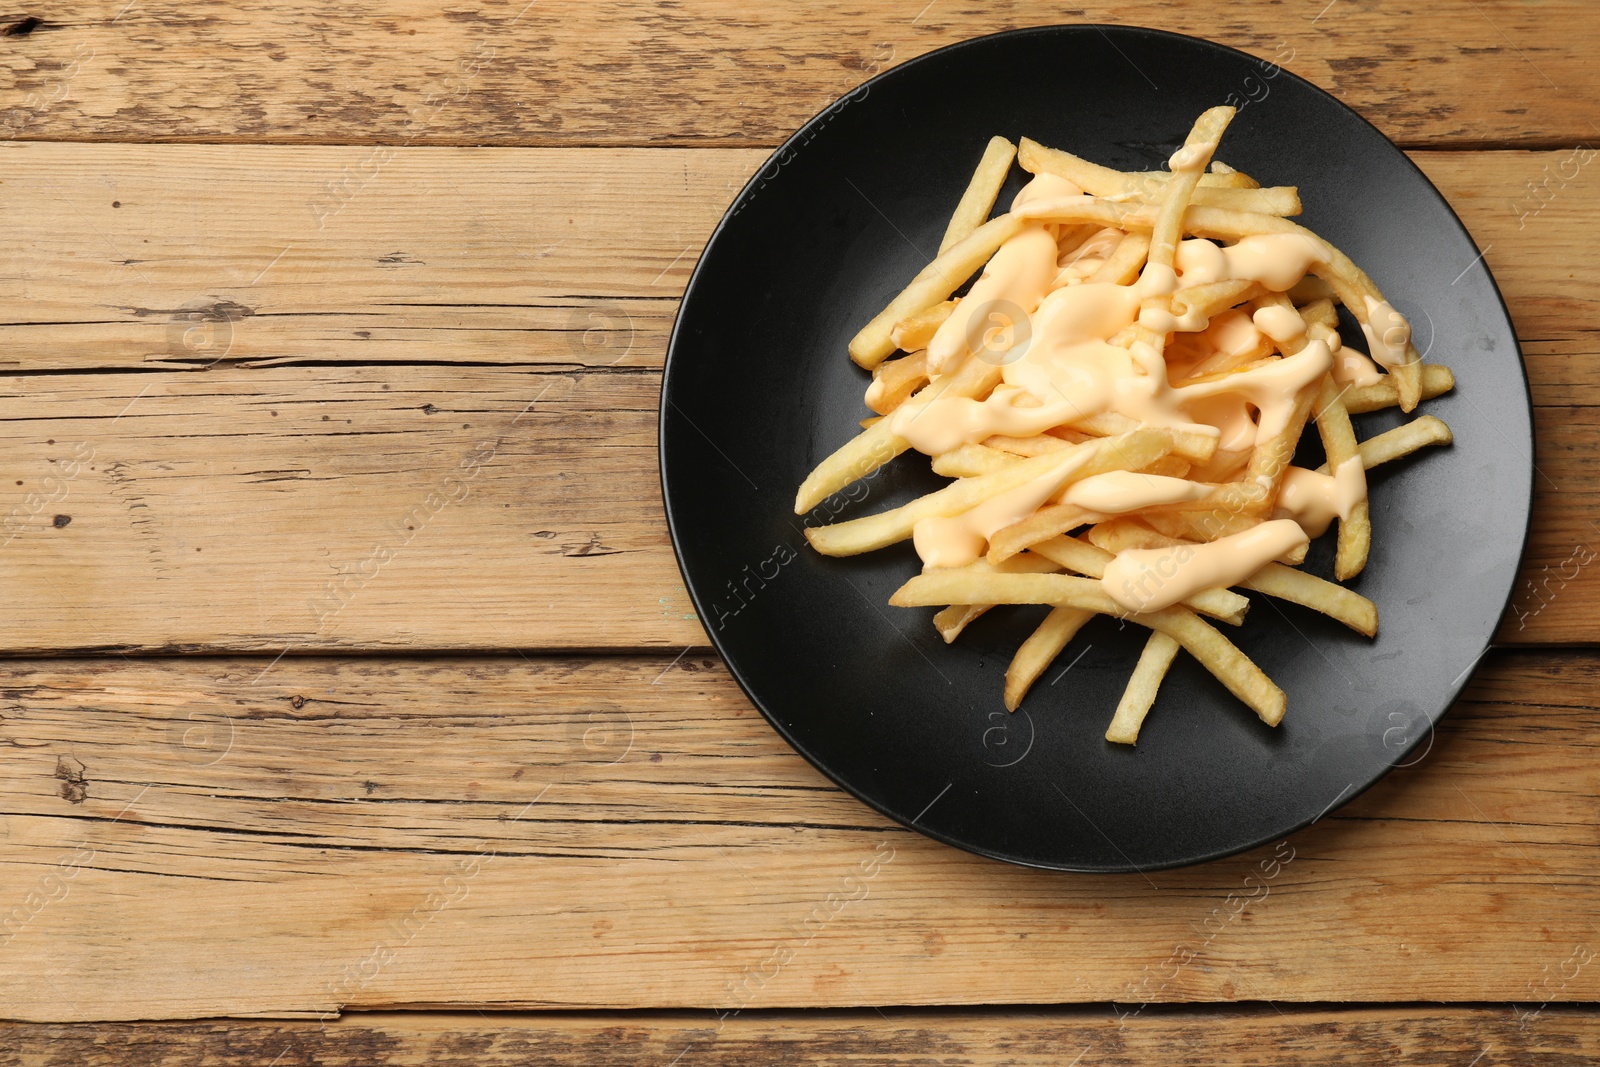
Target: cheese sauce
<point>1149,579</point>
<point>1314,500</point>
<point>1075,356</point>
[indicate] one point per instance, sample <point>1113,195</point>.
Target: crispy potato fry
<point>1334,601</point>
<point>1339,442</point>
<point>1229,178</point>
<point>1360,399</point>
<point>1027,446</point>
<point>979,198</point>
<point>915,331</point>
<point>1195,447</point>
<point>1123,265</point>
<point>1230,666</point>
<point>1040,650</point>
<point>1214,190</point>
<point>933,283</point>
<point>1168,229</point>
<point>970,461</point>
<point>1049,521</point>
<point>895,380</point>
<point>854,460</point>
<point>1169,467</point>
<point>1159,652</point>
<point>1320,312</point>
<point>1402,441</point>
<point>955,618</point>
<point>1118,534</point>
<point>889,527</point>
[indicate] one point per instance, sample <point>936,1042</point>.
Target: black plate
<point>758,389</point>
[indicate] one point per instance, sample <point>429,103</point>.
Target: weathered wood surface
<point>1260,1035</point>
<point>704,72</point>
<point>209,836</point>
<point>235,505</point>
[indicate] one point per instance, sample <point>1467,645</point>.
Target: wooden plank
<point>306,508</point>
<point>1350,1037</point>
<point>704,72</point>
<point>557,259</point>
<point>136,256</point>
<point>198,837</point>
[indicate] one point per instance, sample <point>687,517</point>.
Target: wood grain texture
<point>535,270</point>
<point>1285,1037</point>
<point>708,72</point>
<point>308,508</point>
<point>203,836</point>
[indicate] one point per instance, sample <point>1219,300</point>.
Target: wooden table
<point>356,711</point>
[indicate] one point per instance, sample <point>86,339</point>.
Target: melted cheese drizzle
<point>1314,500</point>
<point>1116,492</point>
<point>957,540</point>
<point>1071,371</point>
<point>1149,579</point>
<point>1388,333</point>
<point>1074,361</point>
<point>1018,274</point>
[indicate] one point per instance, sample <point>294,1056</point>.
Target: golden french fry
<point>1168,228</point>
<point>1359,399</point>
<point>1159,652</point>
<point>955,618</point>
<point>970,461</point>
<point>852,461</point>
<point>978,200</point>
<point>1049,521</point>
<point>1339,442</point>
<point>1229,178</point>
<point>1040,650</point>
<point>933,283</point>
<point>1334,601</point>
<point>1123,265</point>
<point>1115,535</point>
<point>1214,190</point>
<point>1205,643</point>
<point>1320,312</point>
<point>1080,461</point>
<point>1027,446</point>
<point>894,380</point>
<point>915,331</point>
<point>1402,441</point>
<point>1195,447</point>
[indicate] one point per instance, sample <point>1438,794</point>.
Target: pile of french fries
<point>1057,555</point>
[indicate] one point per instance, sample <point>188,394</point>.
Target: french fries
<point>1230,666</point>
<point>978,200</point>
<point>1159,651</point>
<point>1117,368</point>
